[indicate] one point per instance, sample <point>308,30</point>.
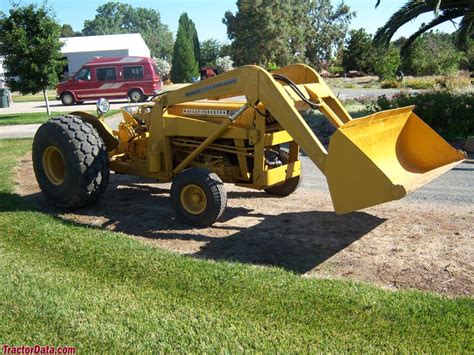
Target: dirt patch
<point>397,245</point>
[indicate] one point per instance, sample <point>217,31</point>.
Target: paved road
<point>456,186</point>
<point>29,130</point>
<point>18,131</point>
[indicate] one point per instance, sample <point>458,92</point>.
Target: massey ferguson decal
<point>209,113</point>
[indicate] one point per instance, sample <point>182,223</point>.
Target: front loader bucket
<point>383,157</point>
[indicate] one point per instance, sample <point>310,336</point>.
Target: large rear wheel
<point>198,197</point>
<point>70,162</point>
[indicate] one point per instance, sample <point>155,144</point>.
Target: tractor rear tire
<point>70,162</point>
<point>289,186</point>
<point>198,197</point>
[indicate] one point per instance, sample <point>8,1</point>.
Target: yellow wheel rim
<point>54,166</point>
<point>193,199</point>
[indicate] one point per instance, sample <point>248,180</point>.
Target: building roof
<point>133,41</point>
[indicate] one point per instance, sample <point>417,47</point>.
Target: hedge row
<point>450,114</point>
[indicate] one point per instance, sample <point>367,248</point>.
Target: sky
<point>208,14</point>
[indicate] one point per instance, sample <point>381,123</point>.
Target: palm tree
<point>445,10</point>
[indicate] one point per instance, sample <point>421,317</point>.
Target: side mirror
<point>103,106</point>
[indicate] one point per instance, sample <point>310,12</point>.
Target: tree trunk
<point>47,102</point>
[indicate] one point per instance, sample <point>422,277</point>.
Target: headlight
<point>103,106</point>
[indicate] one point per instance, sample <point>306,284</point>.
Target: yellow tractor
<point>243,127</point>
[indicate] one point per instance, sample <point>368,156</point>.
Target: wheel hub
<point>67,99</point>
<point>53,165</point>
<point>136,96</point>
<point>193,199</point>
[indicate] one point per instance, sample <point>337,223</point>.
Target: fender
<point>107,135</point>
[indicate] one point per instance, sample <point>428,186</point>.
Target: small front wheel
<point>198,197</point>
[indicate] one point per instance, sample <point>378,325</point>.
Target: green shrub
<point>449,114</point>
<point>335,69</point>
<point>453,82</point>
<point>271,66</point>
<point>390,84</point>
<point>386,66</point>
<point>420,84</point>
<point>450,82</point>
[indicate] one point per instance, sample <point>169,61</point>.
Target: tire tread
<point>90,166</point>
<point>218,196</point>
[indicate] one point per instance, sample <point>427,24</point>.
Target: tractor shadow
<point>296,241</point>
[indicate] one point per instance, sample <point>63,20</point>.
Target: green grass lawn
<point>17,97</point>
<point>67,284</point>
<point>38,117</point>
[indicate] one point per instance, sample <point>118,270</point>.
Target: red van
<point>111,78</point>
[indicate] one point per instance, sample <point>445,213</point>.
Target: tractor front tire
<point>289,186</point>
<point>198,197</point>
<point>70,162</point>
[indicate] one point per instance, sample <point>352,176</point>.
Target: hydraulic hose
<point>295,88</point>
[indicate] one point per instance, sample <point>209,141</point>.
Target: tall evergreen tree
<point>387,64</point>
<point>359,53</point>
<point>184,64</point>
<point>191,31</point>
